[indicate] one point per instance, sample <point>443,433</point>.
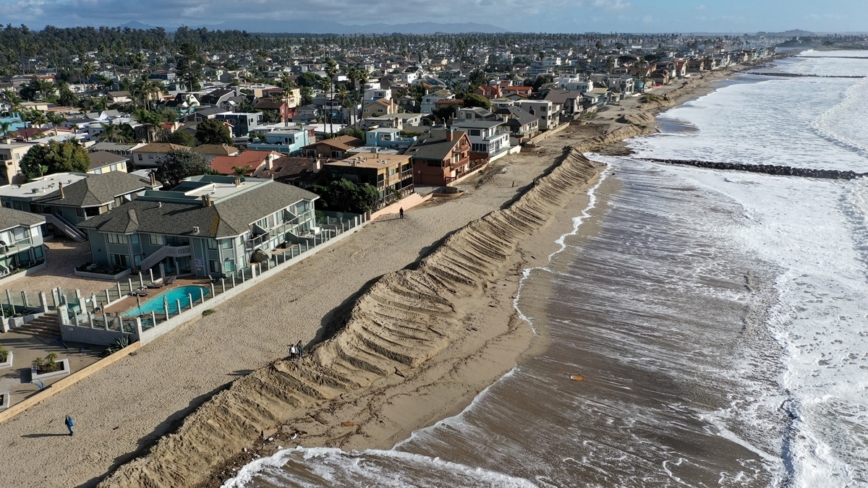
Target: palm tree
<point>86,71</point>
<point>331,71</point>
<point>5,127</point>
<point>149,119</point>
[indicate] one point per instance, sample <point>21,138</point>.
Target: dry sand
<point>417,344</point>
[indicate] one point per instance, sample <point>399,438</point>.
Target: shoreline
<point>502,340</point>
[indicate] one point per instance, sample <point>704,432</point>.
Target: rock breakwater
<point>769,169</point>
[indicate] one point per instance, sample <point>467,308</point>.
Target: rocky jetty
<point>768,169</point>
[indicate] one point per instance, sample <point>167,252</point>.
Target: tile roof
<point>97,190</point>
<point>160,147</point>
<point>253,159</point>
<point>227,218</point>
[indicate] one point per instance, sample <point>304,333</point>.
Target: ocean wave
<point>322,466</point>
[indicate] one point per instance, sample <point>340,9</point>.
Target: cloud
<point>701,8</point>
<point>611,4</point>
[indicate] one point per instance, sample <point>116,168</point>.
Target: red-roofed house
<point>522,91</point>
<point>253,161</point>
<point>489,91</point>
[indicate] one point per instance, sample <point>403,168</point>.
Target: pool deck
<point>130,303</point>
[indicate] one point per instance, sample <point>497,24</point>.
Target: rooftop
<point>10,218</point>
<point>39,187</point>
<point>372,160</point>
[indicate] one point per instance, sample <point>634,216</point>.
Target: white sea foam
<point>316,467</point>
<point>561,241</point>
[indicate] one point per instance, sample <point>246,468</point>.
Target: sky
<point>730,16</point>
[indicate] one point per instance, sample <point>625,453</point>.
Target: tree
<point>189,66</point>
<point>213,131</point>
<point>308,79</point>
<point>180,164</point>
<point>345,196</point>
<point>474,100</point>
<point>151,121</point>
<point>182,138</point>
<point>56,157</point>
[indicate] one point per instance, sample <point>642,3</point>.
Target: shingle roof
<point>102,158</point>
<point>160,147</point>
<point>287,167</point>
<point>516,115</point>
<point>227,218</point>
<point>433,144</point>
<point>96,190</point>
<point>215,150</point>
<point>10,218</point>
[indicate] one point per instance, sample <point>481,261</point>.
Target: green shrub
<point>207,312</point>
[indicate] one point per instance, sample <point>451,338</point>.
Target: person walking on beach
<point>300,349</point>
<point>69,424</point>
<point>293,351</point>
<point>401,212</point>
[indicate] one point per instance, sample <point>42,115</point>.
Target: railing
<point>165,252</point>
<point>70,230</point>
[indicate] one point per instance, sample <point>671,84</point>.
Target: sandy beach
<point>410,320</point>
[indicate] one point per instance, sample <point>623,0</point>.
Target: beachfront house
<point>489,139</point>
<point>390,174</point>
<point>440,157</point>
<point>20,240</point>
<point>207,225</point>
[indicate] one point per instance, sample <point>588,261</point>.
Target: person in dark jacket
<point>70,424</point>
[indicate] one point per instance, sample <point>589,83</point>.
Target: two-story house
<point>379,108</point>
<point>149,155</point>
<point>388,137</point>
<point>207,225</point>
<point>105,162</point>
<point>569,100</point>
<point>334,148</point>
<point>242,123</point>
<point>440,156</point>
<point>489,139</point>
<point>429,101</point>
<point>522,124</point>
<point>20,240</point>
<point>390,174</point>
<point>10,158</point>
<point>284,141</point>
<point>547,112</point>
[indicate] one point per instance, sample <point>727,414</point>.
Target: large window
<point>212,244</point>
<point>226,243</point>
<point>214,266</point>
<point>228,266</point>
<point>156,239</point>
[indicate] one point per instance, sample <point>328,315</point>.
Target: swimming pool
<point>172,296</point>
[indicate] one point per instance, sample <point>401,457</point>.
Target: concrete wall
<point>99,337</point>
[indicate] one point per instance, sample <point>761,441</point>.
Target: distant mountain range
<point>326,27</point>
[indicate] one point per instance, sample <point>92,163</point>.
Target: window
<point>134,238</point>
<point>137,259</point>
<point>228,266</point>
<point>212,244</point>
<point>120,260</point>
<point>150,156</point>
<point>474,132</point>
<point>156,239</point>
<point>117,239</point>
<point>140,156</point>
<point>214,266</point>
<point>226,243</point>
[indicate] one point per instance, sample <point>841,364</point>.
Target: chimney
<point>317,165</point>
<point>60,185</point>
<point>206,200</point>
<point>153,179</point>
<point>449,135</point>
<point>237,180</point>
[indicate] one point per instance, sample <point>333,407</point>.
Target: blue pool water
<point>172,296</point>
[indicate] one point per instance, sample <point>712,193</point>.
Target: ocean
<point>719,318</point>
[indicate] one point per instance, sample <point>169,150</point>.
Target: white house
<point>429,100</point>
<point>547,112</point>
